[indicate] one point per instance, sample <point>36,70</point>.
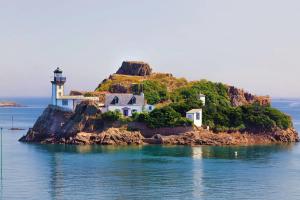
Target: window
<point>59,86</point>
<point>132,100</point>
<point>150,107</point>
<point>191,117</point>
<point>115,100</point>
<point>59,94</point>
<point>65,102</point>
<point>197,116</point>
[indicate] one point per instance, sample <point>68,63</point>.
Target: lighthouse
<point>59,99</point>
<point>57,86</point>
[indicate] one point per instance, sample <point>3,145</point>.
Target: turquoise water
<point>145,172</point>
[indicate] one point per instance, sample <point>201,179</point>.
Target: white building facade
<point>60,99</point>
<point>126,103</point>
<point>195,115</point>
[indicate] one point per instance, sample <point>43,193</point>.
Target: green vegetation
<point>177,96</point>
<point>154,91</point>
<point>112,116</point>
<point>163,117</point>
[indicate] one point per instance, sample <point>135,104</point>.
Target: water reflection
<point>196,152</point>
<point>193,171</point>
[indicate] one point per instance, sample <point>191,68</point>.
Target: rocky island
<point>231,116</point>
<point>9,104</point>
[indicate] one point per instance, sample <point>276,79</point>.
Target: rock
<point>118,88</point>
<point>135,68</point>
<point>48,124</point>
<point>239,97</point>
<point>115,136</point>
<point>84,119</point>
<point>111,136</point>
<point>287,136</point>
<point>76,93</point>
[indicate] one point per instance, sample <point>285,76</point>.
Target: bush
<point>264,118</point>
<point>140,117</point>
<point>165,117</point>
<point>154,91</point>
<point>185,106</point>
<point>112,116</point>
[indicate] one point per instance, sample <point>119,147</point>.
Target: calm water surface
<point>145,172</point>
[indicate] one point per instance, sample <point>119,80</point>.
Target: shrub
<point>165,117</point>
<point>154,91</point>
<point>140,117</point>
<point>112,116</point>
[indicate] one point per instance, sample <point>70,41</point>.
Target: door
<point>125,113</point>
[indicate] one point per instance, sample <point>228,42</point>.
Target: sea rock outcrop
<point>239,97</point>
<point>48,124</point>
<point>204,137</point>
<point>135,68</point>
<point>111,136</point>
<point>83,120</point>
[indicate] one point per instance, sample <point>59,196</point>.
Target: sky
<point>252,44</point>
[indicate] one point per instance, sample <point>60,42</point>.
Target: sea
<point>42,172</point>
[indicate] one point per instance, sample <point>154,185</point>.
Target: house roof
<point>194,110</point>
<point>79,97</point>
<point>124,99</point>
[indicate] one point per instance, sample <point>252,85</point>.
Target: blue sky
<point>251,44</point>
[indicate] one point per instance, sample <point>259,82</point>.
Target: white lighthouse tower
<point>59,98</point>
<point>57,86</point>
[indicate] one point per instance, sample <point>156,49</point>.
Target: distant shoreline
<point>9,104</point>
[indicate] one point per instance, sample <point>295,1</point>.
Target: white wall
<point>59,90</point>
<point>193,117</point>
<point>114,108</point>
<point>70,105</point>
<point>53,94</point>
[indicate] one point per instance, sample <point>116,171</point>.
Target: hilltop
<point>141,73</point>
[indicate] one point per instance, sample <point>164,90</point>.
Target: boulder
<point>135,68</point>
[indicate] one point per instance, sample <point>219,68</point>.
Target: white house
<point>58,96</point>
<point>126,103</point>
<point>196,116</point>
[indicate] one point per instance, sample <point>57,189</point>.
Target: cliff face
<point>239,97</point>
<point>135,68</point>
<point>84,119</point>
<point>47,125</point>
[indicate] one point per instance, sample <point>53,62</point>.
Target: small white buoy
<point>236,153</point>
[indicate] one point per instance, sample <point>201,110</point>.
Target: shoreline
<point>122,137</point>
